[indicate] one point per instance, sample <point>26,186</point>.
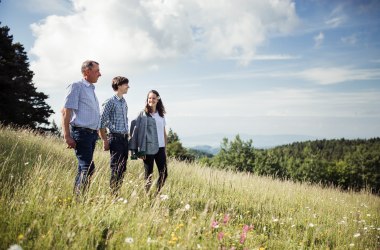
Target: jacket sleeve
<point>133,142</point>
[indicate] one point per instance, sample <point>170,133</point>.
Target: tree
<point>237,154</point>
<point>175,148</point>
<point>20,103</point>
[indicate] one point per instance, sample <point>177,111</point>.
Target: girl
<point>149,139</point>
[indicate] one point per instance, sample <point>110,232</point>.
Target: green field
<point>199,207</point>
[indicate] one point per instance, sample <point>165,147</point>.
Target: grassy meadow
<point>198,208</point>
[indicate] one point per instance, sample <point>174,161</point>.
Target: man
<point>80,122</point>
<point>114,117</point>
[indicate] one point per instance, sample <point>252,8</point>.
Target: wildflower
<point>199,246</point>
<point>214,224</point>
<point>311,225</point>
<point>356,235</point>
<point>125,201</point>
<point>187,206</point>
<point>26,163</point>
<point>226,218</point>
<point>274,219</point>
<point>149,240</point>
<point>243,237</point>
<point>128,240</point>
<point>20,237</point>
<point>164,197</point>
<point>352,245</point>
<point>220,235</point>
<point>15,247</point>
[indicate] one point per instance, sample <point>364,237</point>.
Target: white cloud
<point>318,40</point>
<point>337,17</point>
<point>146,34</point>
<point>349,39</point>
<point>327,76</point>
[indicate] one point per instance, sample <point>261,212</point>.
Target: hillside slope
<point>199,207</point>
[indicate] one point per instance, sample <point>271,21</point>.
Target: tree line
<point>348,164</point>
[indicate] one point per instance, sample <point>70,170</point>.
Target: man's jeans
<point>84,151</point>
<point>119,157</point>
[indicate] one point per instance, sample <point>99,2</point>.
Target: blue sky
<point>222,67</point>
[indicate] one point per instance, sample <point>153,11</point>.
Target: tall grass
<point>199,207</point>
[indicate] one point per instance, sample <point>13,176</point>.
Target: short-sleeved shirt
<point>160,124</point>
<point>114,115</point>
<point>82,100</point>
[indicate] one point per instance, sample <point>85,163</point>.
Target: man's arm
<point>103,136</point>
<point>66,116</point>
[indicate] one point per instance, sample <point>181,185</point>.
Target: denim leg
<point>118,162</point>
<point>84,152</point>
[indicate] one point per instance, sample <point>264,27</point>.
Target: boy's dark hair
<point>117,81</point>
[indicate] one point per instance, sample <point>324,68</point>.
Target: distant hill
<point>211,142</point>
<point>206,148</point>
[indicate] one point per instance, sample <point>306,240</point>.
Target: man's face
<point>92,75</point>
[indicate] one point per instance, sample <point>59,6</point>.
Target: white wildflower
<point>187,206</point>
<point>311,225</point>
<point>164,197</point>
<point>352,245</point>
<point>128,240</point>
<point>125,201</point>
<point>199,246</point>
<point>15,247</point>
<point>356,235</point>
<point>150,241</point>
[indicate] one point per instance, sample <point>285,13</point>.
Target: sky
<point>227,67</point>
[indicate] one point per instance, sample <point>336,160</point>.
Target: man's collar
<point>88,84</point>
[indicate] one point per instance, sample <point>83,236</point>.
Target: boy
<point>114,118</point>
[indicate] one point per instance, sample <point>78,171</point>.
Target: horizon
<point>259,68</point>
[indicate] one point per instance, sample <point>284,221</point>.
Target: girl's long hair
<point>160,106</point>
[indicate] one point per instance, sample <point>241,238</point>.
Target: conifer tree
<point>20,102</point>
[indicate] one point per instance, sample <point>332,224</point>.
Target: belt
<point>85,129</point>
<point>125,136</point>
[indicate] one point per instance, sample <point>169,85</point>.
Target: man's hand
<point>70,142</point>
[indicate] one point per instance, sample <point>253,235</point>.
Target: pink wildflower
<point>226,218</point>
<point>220,236</point>
<point>214,224</point>
<point>243,235</point>
<point>247,228</point>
